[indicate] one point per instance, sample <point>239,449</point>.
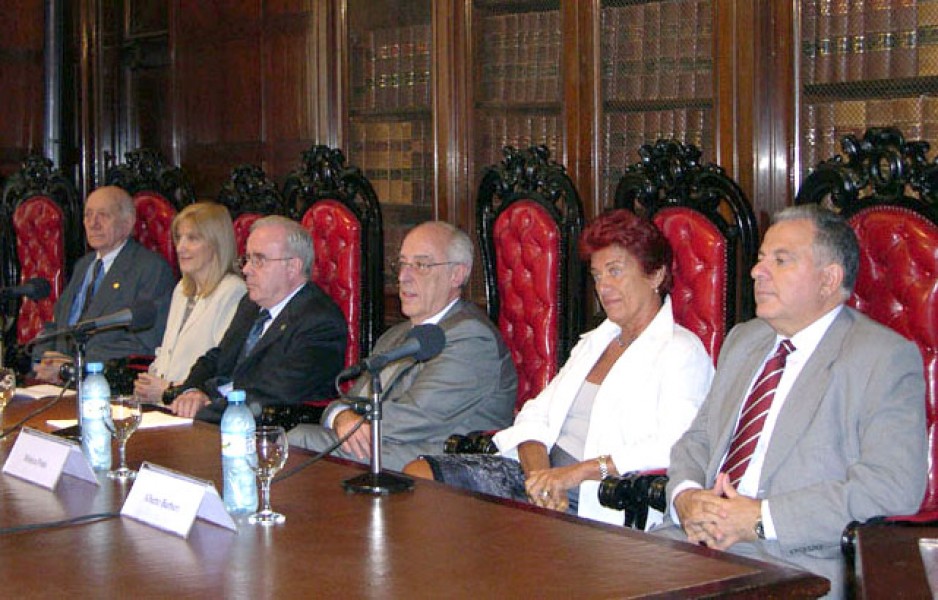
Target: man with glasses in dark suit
<point>286,342</point>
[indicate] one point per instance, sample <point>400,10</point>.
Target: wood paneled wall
<point>248,85</point>
<point>21,76</point>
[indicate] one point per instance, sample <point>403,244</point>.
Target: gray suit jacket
<point>136,275</point>
<point>471,385</point>
<point>849,442</point>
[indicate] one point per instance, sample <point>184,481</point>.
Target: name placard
<point>42,458</point>
<point>171,501</point>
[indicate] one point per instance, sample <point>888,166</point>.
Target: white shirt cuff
<point>684,485</point>
<point>768,526</point>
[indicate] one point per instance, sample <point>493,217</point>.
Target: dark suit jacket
<point>136,275</point>
<point>849,442</point>
<point>297,359</point>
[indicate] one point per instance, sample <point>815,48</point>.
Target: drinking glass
<point>271,449</point>
<point>126,415</point>
<point>7,386</point>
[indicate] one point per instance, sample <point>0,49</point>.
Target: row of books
<point>625,132</point>
<point>825,123</point>
<point>396,157</point>
<point>520,57</point>
<point>521,131</point>
<point>846,40</point>
<point>657,50</point>
<point>390,69</point>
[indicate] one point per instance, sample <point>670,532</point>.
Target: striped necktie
<point>755,410</point>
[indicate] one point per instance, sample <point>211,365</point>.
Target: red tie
<point>755,410</point>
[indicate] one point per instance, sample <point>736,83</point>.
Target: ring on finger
<point>545,494</point>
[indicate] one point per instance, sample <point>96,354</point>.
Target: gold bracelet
<point>603,466</point>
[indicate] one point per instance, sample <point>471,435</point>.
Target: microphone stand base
<point>378,484</point>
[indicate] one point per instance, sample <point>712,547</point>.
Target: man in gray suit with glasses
<point>471,385</point>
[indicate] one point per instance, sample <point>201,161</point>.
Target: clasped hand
<point>718,517</point>
<point>548,487</point>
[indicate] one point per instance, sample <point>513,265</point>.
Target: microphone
<point>422,343</point>
<point>141,316</point>
<point>36,288</point>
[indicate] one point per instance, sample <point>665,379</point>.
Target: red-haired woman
<point>628,391</point>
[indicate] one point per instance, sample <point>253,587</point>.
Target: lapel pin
<point>116,285</point>
<point>283,326</point>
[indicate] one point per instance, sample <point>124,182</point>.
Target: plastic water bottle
<point>237,452</point>
<point>95,410</point>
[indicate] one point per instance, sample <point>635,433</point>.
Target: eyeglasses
<point>418,267</point>
<point>259,260</point>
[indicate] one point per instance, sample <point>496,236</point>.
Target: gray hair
<point>459,249</point>
<point>834,239</point>
<point>299,242</point>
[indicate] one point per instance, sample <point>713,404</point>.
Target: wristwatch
<point>759,529</point>
<point>603,466</point>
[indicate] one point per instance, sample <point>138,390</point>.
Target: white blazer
<point>647,401</point>
<point>203,330</point>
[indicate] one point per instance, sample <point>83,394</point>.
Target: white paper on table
<point>151,420</point>
<point>928,547</point>
<point>45,390</point>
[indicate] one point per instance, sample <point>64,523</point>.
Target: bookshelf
<point>517,78</point>
<point>871,63</point>
<point>656,70</point>
<point>390,118</point>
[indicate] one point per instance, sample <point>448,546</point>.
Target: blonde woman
<point>204,301</point>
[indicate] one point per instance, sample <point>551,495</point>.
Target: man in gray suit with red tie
<point>118,274</point>
<point>471,384</point>
<point>815,417</point>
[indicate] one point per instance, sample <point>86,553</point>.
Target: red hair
<point>636,235</point>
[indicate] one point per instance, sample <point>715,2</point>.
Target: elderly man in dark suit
<point>286,342</point>
<point>470,385</point>
<point>119,274</point>
<point>815,417</point>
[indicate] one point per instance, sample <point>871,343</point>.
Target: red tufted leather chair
<point>889,194</point>
<point>159,191</point>
<point>339,208</point>
<point>249,195</point>
<point>153,228</point>
<point>44,219</point>
<point>712,230</point>
<point>529,221</point>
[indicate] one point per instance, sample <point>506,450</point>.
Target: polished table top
<point>889,563</point>
<point>432,541</point>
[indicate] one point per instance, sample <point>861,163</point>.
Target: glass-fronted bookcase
<point>390,128</point>
<point>862,64</point>
<point>657,80</point>
<point>517,75</point>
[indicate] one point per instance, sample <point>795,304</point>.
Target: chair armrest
<point>474,442</point>
<point>634,493</point>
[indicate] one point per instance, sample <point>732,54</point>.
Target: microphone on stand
<point>422,343</point>
<point>36,288</point>
<point>141,316</point>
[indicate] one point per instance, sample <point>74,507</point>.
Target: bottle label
<point>94,408</point>
<point>237,445</point>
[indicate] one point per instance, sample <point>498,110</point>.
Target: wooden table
<point>431,542</point>
<point>889,564</point>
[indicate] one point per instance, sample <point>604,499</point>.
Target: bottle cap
<point>236,396</point>
<point>95,367</point>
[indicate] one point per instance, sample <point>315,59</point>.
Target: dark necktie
<point>755,410</point>
<point>256,329</point>
<point>89,287</point>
